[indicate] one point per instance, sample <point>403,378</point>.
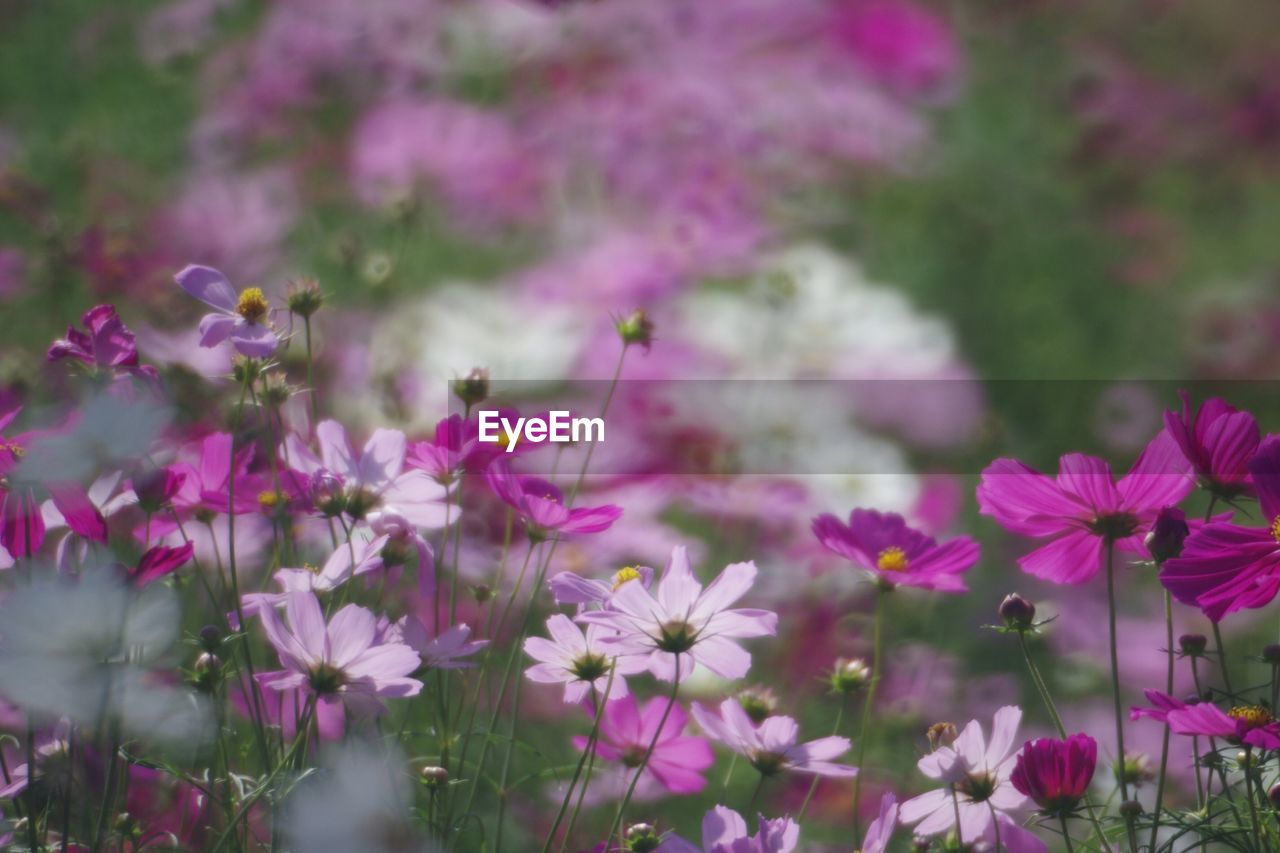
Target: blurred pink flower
<point>894,554</point>
<point>902,44</point>
<point>540,505</point>
<point>773,746</point>
<point>1218,441</point>
<point>626,730</point>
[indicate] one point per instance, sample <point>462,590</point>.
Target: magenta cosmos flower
<point>1084,507</point>
<point>1226,567</point>
<point>106,345</point>
<point>1056,773</point>
<point>725,831</point>
<point>895,554</point>
<point>1218,441</point>
<point>773,746</point>
<point>540,505</point>
<point>626,730</point>
<point>344,658</point>
<point>980,772</point>
<point>1252,725</point>
<point>579,661</point>
<point>375,478</point>
<point>242,318</point>
<point>684,622</point>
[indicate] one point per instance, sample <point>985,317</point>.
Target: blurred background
<point>997,194</point>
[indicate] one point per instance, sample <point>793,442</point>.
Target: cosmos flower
<point>572,588</point>
<point>880,832</point>
<point>445,651</point>
<point>773,746</point>
<point>895,554</point>
<point>685,622</point>
<point>540,505</point>
<point>242,318</point>
<point>1084,507</point>
<point>980,772</point>
<point>626,730</point>
<point>1253,725</point>
<point>348,560</point>
<point>158,562</point>
<point>342,658</point>
<point>373,479</point>
<point>1227,567</point>
<point>1218,441</point>
<point>724,831</point>
<point>579,661</point>
<point>106,345</point>
<point>1056,773</point>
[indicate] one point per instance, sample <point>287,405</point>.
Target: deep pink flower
<point>155,488</point>
<point>1253,725</point>
<point>1218,441</point>
<point>980,773</point>
<point>344,658</point>
<point>157,562</point>
<point>1056,773</point>
<point>1226,567</point>
<point>626,730</point>
<point>21,522</point>
<point>107,345</point>
<point>579,661</point>
<point>685,622</point>
<point>895,554</point>
<point>773,746</point>
<point>902,44</point>
<point>1084,507</point>
<point>376,478</point>
<point>540,505</point>
<point>244,318</point>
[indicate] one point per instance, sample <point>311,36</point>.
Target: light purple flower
<point>444,651</point>
<point>343,658</point>
<point>242,318</point>
<point>725,831</point>
<point>773,746</point>
<point>880,832</point>
<point>572,588</point>
<point>374,479</point>
<point>979,771</point>
<point>685,622</point>
<point>579,661</point>
<point>347,561</point>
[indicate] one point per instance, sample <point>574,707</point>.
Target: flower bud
<point>276,390</point>
<point>246,370</point>
<point>472,388</point>
<point>1130,808</point>
<point>942,734</point>
<point>304,297</point>
<point>1017,613</point>
<point>482,593</point>
<point>210,638</point>
<point>850,675</point>
<point>207,672</point>
<point>1192,645</point>
<point>1274,795</point>
<point>390,522</point>
<point>635,328</point>
<point>1167,534</point>
<point>642,838</point>
<point>434,777</point>
<point>759,702</point>
<point>1135,769</point>
<point>1271,653</point>
<point>126,826</point>
<point>156,487</point>
<point>1246,760</point>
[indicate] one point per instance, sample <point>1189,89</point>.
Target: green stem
<point>867,704</point>
<point>1066,836</point>
<point>813,786</point>
<point>1164,746</point>
<point>577,773</point>
<point>1041,687</point>
<point>1115,688</point>
<point>1222,659</point>
<point>648,753</point>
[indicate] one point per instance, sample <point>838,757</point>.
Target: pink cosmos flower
<point>21,522</point>
<point>880,832</point>
<point>1253,725</point>
<point>242,318</point>
<point>344,658</point>
<point>445,651</point>
<point>895,554</point>
<point>685,623</point>
<point>348,560</point>
<point>107,345</point>
<point>1218,441</point>
<point>1084,507</point>
<point>1056,773</point>
<point>572,588</point>
<point>724,831</point>
<point>1225,567</point>
<point>773,746</point>
<point>540,505</point>
<point>405,544</point>
<point>579,661</point>
<point>158,562</point>
<point>979,771</point>
<point>626,730</point>
<point>375,478</point>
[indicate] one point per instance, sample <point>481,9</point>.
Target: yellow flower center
<point>1275,528</point>
<point>1253,716</point>
<point>253,304</point>
<point>621,576</point>
<point>269,499</point>
<point>311,567</point>
<point>892,559</point>
<point>17,450</point>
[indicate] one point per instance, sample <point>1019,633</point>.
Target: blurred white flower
<point>358,804</point>
<point>85,650</point>
<point>105,432</point>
